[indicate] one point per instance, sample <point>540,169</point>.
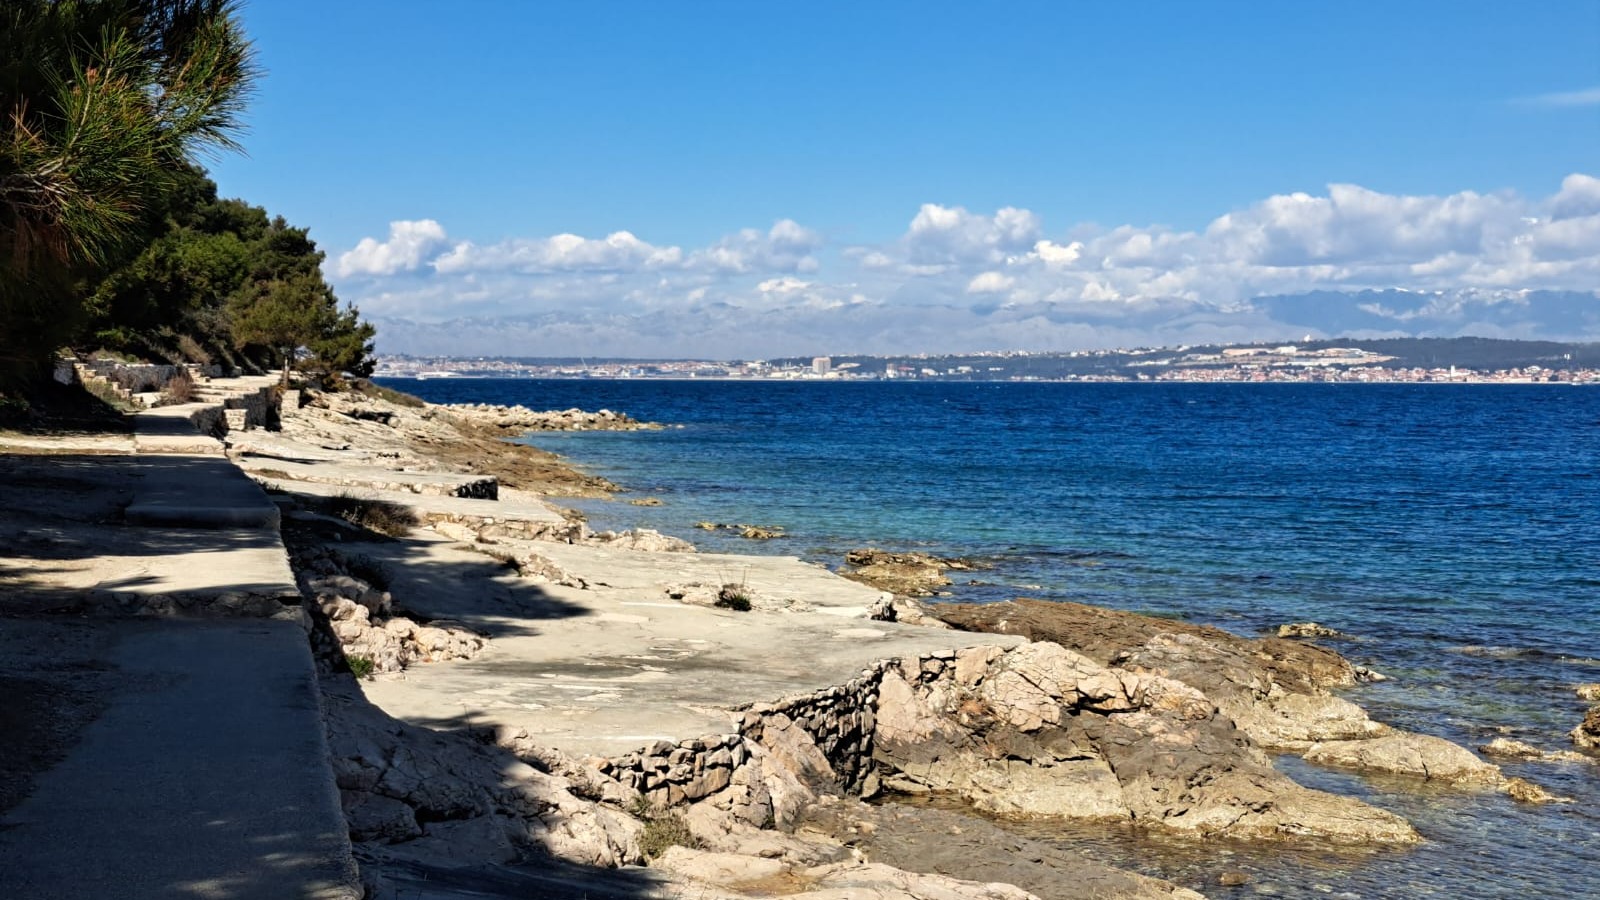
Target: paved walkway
<point>205,774</point>
<point>206,777</point>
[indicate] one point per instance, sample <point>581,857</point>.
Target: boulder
<point>1274,690</point>
<point>644,539</point>
<point>1247,690</point>
<point>725,869</point>
<point>1587,734</point>
<point>1042,731</point>
<point>472,800</point>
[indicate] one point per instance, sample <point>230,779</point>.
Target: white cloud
<point>1052,253</point>
<point>1468,250</point>
<point>944,235</point>
<point>408,243</point>
<point>788,284</point>
<point>786,246</point>
<point>617,252</point>
<point>990,283</point>
<point>1585,97</point>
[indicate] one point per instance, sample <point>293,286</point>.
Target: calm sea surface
<point>1452,531</point>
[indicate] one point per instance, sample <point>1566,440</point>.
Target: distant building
<point>822,365</point>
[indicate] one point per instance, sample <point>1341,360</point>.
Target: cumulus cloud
<point>990,283</point>
<point>408,243</point>
<point>617,252</point>
<point>1327,260</point>
<point>786,246</point>
<point>941,235</point>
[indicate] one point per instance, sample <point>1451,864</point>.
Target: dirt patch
<point>482,449</point>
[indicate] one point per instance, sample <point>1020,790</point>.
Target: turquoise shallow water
<point>1453,531</point>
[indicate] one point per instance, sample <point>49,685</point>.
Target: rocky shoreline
<point>1100,716</point>
<point>529,695</point>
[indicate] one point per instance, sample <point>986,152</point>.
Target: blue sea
<point>1452,531</point>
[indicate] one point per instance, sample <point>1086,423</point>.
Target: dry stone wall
<point>838,721</point>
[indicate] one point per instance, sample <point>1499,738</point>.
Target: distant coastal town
<point>1403,360</point>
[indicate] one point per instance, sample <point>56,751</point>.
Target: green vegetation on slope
<point>224,282</point>
<point>110,236</point>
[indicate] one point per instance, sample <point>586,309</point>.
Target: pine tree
<point>102,105</point>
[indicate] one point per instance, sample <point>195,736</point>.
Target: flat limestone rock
<point>1419,755</point>
<point>929,839</point>
<point>1133,746</point>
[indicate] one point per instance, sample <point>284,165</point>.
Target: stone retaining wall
<point>236,413</point>
<point>669,774</point>
<point>839,720</point>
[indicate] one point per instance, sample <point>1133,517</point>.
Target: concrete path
<point>207,777</point>
<point>167,429</point>
<point>206,772</point>
<point>199,492</point>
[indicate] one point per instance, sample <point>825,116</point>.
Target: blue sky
<point>698,126</point>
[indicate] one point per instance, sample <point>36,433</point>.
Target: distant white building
<point>821,365</point>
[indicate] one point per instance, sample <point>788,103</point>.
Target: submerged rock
<point>1306,630</point>
<point>1400,753</point>
<point>521,418</point>
<point>1524,791</point>
<point>1587,734</point>
<point>904,574</point>
<point>1512,749</point>
<point>925,839</point>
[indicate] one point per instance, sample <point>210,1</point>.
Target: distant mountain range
<point>723,330</point>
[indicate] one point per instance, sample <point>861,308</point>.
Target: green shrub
<point>663,830</point>
<point>362,667</point>
<point>13,409</point>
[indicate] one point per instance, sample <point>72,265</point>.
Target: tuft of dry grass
<point>178,389</point>
<point>398,398</point>
<point>381,516</point>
